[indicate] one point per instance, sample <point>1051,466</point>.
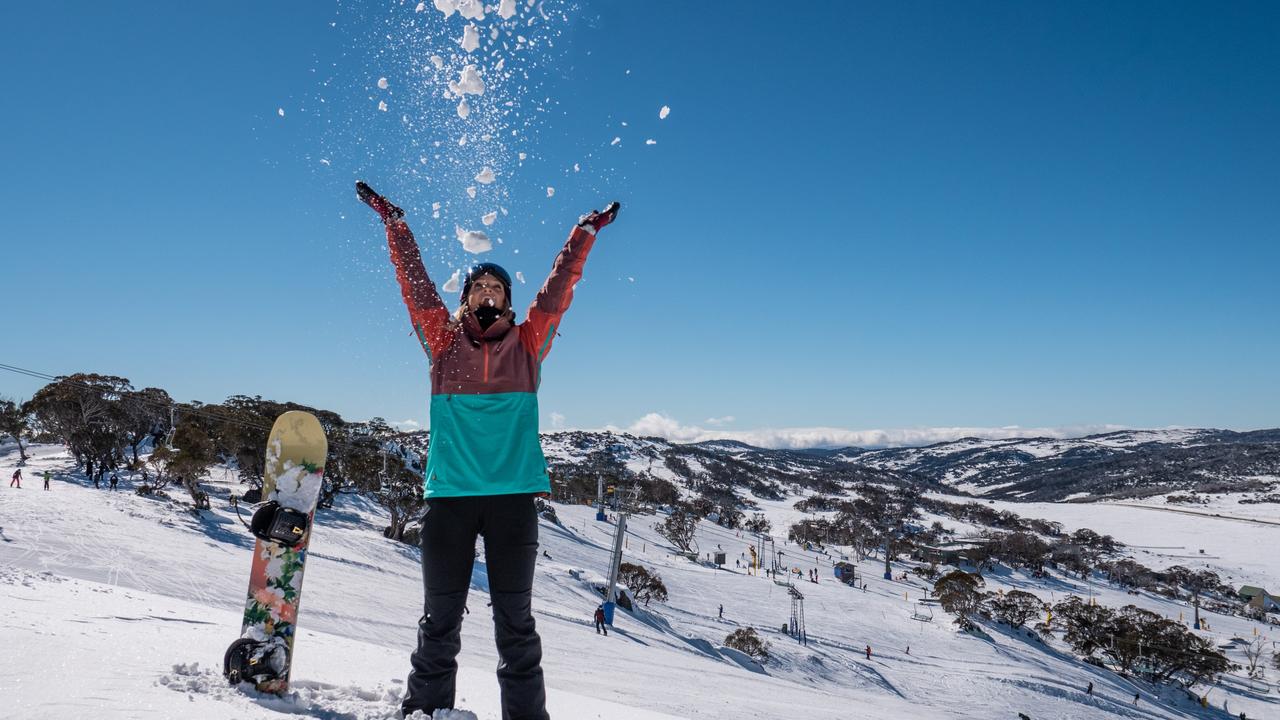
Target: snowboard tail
<point>296,451</point>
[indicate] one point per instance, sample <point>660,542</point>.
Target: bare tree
<point>680,528</point>
<point>1253,658</point>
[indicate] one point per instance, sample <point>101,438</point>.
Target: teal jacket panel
<point>485,445</point>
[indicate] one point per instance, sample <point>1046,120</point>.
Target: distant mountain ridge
<point>1113,465</point>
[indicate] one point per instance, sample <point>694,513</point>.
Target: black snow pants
<point>509,525</point>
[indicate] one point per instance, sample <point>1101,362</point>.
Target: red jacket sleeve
<point>538,331</point>
<point>427,312</point>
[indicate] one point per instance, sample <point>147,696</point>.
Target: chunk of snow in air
<point>576,168</point>
<point>437,61</point>
<point>471,192</point>
<point>473,241</point>
<point>421,6</point>
<point>489,218</point>
<point>463,109</point>
<point>551,191</point>
<point>469,82</point>
<point>382,83</point>
<point>470,37</point>
<point>650,141</point>
<point>616,140</point>
<point>453,284</point>
<point>664,112</point>
<point>280,111</point>
<point>470,9</point>
<point>520,276</point>
<point>485,176</point>
<point>382,105</point>
<point>507,9</point>
<point>522,155</point>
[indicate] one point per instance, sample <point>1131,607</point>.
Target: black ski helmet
<point>487,268</point>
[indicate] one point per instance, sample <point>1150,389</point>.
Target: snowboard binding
<point>255,661</point>
<point>273,523</point>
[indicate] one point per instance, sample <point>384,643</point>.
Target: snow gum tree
<point>15,421</point>
<point>84,412</point>
<point>1015,607</point>
<point>960,593</point>
<point>644,584</point>
<point>747,640</point>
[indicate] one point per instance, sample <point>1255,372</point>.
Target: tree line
<point>108,425</point>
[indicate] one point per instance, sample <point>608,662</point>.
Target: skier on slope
<point>485,463</point>
<point>599,620</point>
<point>16,479</point>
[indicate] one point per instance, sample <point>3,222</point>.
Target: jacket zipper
<point>486,362</point>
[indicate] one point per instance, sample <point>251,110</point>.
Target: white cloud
<point>409,424</point>
<point>557,420</point>
<point>719,421</point>
<point>811,437</point>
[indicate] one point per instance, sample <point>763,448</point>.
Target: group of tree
<point>1129,639</point>
<point>1134,640</point>
<point>107,425</point>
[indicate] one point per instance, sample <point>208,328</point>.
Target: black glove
<point>388,212</point>
<point>597,219</point>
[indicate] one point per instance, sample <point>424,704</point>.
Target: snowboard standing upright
<point>263,655</point>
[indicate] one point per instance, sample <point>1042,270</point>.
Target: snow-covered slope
<point>116,606</point>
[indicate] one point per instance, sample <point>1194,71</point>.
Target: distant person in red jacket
<point>599,617</point>
<point>16,479</point>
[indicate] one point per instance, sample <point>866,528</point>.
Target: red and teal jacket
<point>484,382</point>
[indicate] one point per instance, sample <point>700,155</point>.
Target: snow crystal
<point>280,111</point>
<point>382,83</point>
<point>454,283</point>
<point>507,9</point>
<point>470,37</point>
<point>485,176</point>
<point>520,277</point>
<point>551,191</point>
<point>664,112</point>
<point>616,140</point>
<point>473,241</point>
<point>469,82</point>
<point>463,109</point>
<point>382,105</point>
<point>489,218</point>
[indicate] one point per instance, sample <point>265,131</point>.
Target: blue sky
<point>1054,216</point>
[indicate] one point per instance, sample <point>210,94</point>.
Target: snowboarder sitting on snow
<point>485,463</point>
<point>599,618</point>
